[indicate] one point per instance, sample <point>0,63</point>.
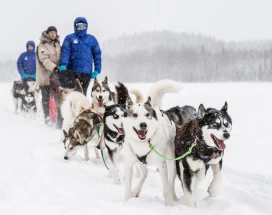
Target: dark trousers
<point>45,100</point>
<point>84,80</point>
<point>46,91</point>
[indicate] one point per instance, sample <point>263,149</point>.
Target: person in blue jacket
<point>80,51</point>
<point>26,64</point>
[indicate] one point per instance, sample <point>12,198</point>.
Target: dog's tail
<point>138,94</point>
<point>160,88</point>
<point>73,104</point>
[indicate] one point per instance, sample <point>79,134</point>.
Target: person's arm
<point>96,51</point>
<point>20,65</point>
<point>43,57</point>
<point>65,52</point>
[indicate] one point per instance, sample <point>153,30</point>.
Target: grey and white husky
<point>102,95</point>
<point>86,126</point>
<point>208,131</point>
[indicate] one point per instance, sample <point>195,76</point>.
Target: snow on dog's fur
<point>146,123</point>
<point>208,132</point>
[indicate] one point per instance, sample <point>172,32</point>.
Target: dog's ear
<point>129,102</point>
<point>77,136</point>
<point>65,133</point>
<point>105,81</point>
<point>148,102</point>
<point>201,111</point>
<point>95,80</point>
<point>82,109</point>
<point>225,107</point>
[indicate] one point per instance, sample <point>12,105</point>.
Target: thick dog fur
<point>84,127</point>
<point>209,131</point>
<point>181,115</point>
<point>17,92</point>
<point>146,123</point>
<point>102,95</point>
<point>29,105</point>
<point>72,106</point>
<point>114,136</point>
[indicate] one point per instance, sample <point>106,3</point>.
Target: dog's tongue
<point>142,133</point>
<point>121,131</point>
<point>220,143</point>
<point>100,103</point>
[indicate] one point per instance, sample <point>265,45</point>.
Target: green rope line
<point>178,158</point>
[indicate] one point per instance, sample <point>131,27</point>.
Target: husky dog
<point>17,92</point>
<point>180,115</point>
<point>208,132</point>
<point>102,95</point>
<point>72,106</point>
<point>85,127</point>
<point>147,124</point>
<point>114,135</point>
<point>29,105</point>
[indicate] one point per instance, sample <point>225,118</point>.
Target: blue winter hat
<point>30,43</point>
<point>80,33</point>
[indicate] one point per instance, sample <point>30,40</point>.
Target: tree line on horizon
<point>152,56</point>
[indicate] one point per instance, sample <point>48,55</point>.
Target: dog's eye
<point>104,91</point>
<point>226,124</point>
<point>147,114</point>
<point>97,90</point>
<point>134,115</point>
<point>71,148</point>
<point>215,124</point>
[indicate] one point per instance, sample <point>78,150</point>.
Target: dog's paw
<point>213,190</point>
<point>175,198</point>
<point>168,199</point>
<point>127,196</point>
<point>136,192</point>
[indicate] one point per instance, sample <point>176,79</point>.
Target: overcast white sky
<point>23,20</point>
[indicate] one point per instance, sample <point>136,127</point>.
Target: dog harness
<point>142,159</point>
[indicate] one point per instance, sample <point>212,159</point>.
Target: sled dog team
<point>180,141</point>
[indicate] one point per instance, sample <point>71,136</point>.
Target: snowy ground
<point>35,179</point>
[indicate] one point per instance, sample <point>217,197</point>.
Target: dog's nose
<point>65,158</point>
<point>226,135</point>
<point>143,125</point>
<point>100,97</point>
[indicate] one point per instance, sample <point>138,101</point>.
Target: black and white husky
<point>146,124</point>
<point>208,132</point>
<point>102,95</point>
<point>29,105</point>
<point>18,92</point>
<point>114,135</point>
<point>86,126</point>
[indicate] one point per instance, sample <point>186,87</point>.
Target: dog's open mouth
<point>219,143</point>
<point>141,133</point>
<point>120,130</point>
<point>100,102</point>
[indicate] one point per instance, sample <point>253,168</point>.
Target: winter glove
<point>94,74</point>
<point>24,76</point>
<point>56,70</point>
<point>62,67</point>
<point>33,76</point>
